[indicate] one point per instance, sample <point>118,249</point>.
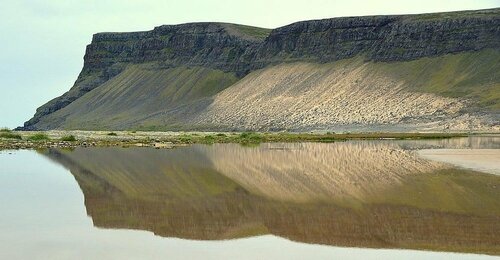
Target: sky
<point>43,41</point>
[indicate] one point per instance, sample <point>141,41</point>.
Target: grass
<point>9,135</point>
<point>183,85</point>
<point>453,15</point>
<point>251,31</point>
<point>209,139</point>
<point>470,75</point>
<point>248,138</point>
<point>39,137</point>
<point>187,139</point>
<point>68,138</point>
<point>251,137</point>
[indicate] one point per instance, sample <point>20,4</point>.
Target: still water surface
<point>356,199</point>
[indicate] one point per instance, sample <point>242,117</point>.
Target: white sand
<point>485,160</point>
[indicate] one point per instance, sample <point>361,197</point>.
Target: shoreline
<point>76,138</point>
<point>482,160</point>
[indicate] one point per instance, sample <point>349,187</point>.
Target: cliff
<point>237,51</point>
<point>198,44</point>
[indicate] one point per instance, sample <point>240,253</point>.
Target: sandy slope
<point>346,93</point>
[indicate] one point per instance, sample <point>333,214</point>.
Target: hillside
<point>390,73</point>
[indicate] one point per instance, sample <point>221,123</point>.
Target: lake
<point>383,199</point>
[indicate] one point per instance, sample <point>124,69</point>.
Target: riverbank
<point>483,160</point>
<point>74,138</point>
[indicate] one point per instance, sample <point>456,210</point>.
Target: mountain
<point>394,73</point>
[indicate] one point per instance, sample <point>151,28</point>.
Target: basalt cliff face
<point>338,70</point>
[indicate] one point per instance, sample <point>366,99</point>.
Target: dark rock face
<point>197,44</point>
<point>382,38</point>
<point>241,49</point>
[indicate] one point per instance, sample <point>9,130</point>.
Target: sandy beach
<point>484,160</point>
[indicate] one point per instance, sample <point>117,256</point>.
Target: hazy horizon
<point>44,41</point>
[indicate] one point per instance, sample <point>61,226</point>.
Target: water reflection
<point>363,194</point>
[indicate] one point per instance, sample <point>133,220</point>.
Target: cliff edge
<point>184,76</point>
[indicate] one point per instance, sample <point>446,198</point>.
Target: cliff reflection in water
<point>360,194</point>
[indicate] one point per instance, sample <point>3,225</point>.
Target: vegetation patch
<point>251,137</point>
<point>68,138</point>
<point>39,137</point>
<point>186,139</point>
<point>209,139</point>
<point>251,31</point>
<point>9,135</point>
<point>471,75</point>
<point>15,140</point>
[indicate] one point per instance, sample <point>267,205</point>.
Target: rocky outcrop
<point>212,45</point>
<point>241,49</point>
<point>383,38</point>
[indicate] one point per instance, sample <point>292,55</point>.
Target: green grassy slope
<point>247,32</point>
<point>472,75</point>
<point>136,94</point>
<point>460,14</point>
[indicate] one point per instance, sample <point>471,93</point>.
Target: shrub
<point>185,138</point>
<point>10,135</point>
<point>251,137</point>
<point>221,135</point>
<point>68,138</point>
<point>112,134</point>
<point>244,135</point>
<point>38,137</point>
